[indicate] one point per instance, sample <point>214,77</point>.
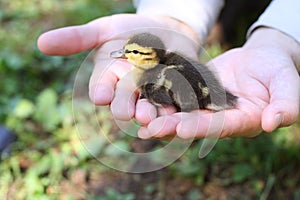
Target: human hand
<point>111,33</point>
<point>262,74</point>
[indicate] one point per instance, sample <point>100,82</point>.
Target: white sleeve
<point>198,14</point>
<point>283,15</point>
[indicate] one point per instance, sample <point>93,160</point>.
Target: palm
<point>245,80</point>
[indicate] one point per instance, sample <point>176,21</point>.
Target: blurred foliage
<point>48,160</point>
<point>112,194</point>
<point>35,100</point>
<point>25,71</point>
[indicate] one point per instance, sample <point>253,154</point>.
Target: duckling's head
<point>142,50</point>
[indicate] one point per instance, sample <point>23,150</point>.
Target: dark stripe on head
<point>138,52</point>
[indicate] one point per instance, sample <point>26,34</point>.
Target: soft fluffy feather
<point>173,79</point>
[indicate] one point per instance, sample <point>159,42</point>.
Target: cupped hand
<point>109,83</point>
<point>262,74</point>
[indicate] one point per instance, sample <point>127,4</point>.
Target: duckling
<point>168,78</point>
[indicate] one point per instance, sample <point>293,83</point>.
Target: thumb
<point>74,39</point>
<point>283,108</point>
<point>279,114</point>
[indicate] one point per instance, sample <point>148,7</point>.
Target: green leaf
<point>150,188</point>
<point>33,184</point>
<point>117,148</point>
<point>47,112</point>
<point>57,164</point>
<point>112,194</point>
<point>297,194</point>
<point>43,165</point>
<point>194,194</point>
<point>241,172</point>
<point>24,109</point>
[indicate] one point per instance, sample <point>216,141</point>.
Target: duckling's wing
<point>180,88</point>
<point>154,86</point>
<point>214,95</point>
<point>207,88</point>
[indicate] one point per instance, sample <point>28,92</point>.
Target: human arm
<point>200,15</point>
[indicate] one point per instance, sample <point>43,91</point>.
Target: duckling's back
<point>206,88</point>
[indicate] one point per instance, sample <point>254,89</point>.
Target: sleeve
<point>198,14</point>
<point>283,15</point>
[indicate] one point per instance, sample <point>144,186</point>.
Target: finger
<point>75,39</point>
<point>102,84</point>
<point>166,110</point>
<point>70,40</point>
<point>145,111</point>
<point>101,92</point>
<point>229,123</point>
<point>144,133</point>
<point>123,104</point>
<point>283,109</point>
<point>160,127</point>
<point>104,79</point>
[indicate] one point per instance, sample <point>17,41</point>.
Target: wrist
<point>265,37</point>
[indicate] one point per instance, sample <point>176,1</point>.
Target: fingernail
<point>144,133</point>
<point>278,120</point>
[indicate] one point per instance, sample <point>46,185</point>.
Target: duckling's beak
<point>118,54</point>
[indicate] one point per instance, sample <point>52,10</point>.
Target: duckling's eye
<point>135,51</point>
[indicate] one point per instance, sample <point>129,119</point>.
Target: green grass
<point>48,161</point>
